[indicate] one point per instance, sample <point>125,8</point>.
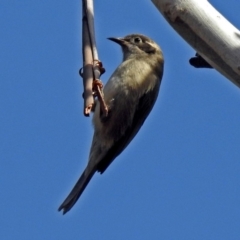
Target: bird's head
<point>137,44</point>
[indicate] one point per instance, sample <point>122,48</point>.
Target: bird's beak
<point>120,41</point>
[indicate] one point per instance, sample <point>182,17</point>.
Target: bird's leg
<point>97,91</point>
<point>98,86</point>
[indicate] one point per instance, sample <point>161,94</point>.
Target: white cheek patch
<point>153,45</point>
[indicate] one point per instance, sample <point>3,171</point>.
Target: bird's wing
<point>145,105</point>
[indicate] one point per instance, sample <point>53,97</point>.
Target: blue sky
<point>178,179</point>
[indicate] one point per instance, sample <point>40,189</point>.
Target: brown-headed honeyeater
<point>130,95</point>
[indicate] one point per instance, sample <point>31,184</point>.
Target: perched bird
<point>130,95</point>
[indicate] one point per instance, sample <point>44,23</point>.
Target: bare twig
<point>88,4</point>
<point>87,68</point>
<point>92,66</point>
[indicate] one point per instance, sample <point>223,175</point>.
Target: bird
<point>130,95</point>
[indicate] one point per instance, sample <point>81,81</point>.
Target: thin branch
<point>87,68</point>
<point>92,66</point>
<point>90,20</point>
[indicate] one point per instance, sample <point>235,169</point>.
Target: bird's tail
<point>77,189</point>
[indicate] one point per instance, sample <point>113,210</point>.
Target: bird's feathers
<point>144,107</point>
<point>77,189</point>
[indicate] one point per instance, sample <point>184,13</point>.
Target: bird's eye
<point>137,40</point>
